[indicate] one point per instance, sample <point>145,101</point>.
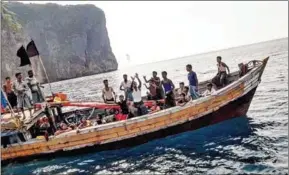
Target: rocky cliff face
<point>72,40</point>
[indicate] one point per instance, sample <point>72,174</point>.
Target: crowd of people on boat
<point>17,92</point>
<point>161,90</point>
<point>161,94</point>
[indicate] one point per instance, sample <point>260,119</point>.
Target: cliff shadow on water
<point>72,40</point>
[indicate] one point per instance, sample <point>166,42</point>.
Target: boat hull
<point>236,108</point>
<point>229,102</point>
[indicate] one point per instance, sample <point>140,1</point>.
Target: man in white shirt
<point>34,85</point>
<point>209,91</point>
<point>137,98</point>
<point>23,100</point>
<point>126,87</point>
<point>180,90</point>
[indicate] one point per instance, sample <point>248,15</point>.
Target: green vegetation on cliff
<point>9,19</point>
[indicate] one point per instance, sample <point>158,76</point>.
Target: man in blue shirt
<point>193,82</point>
<point>3,100</point>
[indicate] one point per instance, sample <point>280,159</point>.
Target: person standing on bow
<point>221,77</point>
<point>157,81</point>
<point>108,94</point>
<point>169,87</point>
<point>125,86</point>
<point>23,100</point>
<point>34,85</point>
<point>7,88</point>
<point>193,82</point>
<point>137,98</point>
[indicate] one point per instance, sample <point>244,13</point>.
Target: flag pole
<point>40,59</point>
<point>32,50</point>
<point>11,109</point>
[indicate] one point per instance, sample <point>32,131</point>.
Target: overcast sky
<point>152,31</point>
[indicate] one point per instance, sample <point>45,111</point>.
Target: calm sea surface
<point>256,143</point>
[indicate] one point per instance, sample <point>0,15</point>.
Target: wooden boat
<point>229,102</point>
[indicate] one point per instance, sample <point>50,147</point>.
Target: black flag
<point>22,54</point>
<point>32,49</point>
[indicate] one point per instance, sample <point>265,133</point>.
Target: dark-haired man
<point>123,105</point>
<point>137,98</point>
<point>154,78</point>
<point>21,88</point>
<point>34,85</point>
<point>193,82</point>
<point>7,88</point>
<point>108,94</point>
<point>126,87</point>
<point>220,78</point>
<point>180,90</point>
<point>157,81</point>
<point>209,91</point>
<point>169,87</point>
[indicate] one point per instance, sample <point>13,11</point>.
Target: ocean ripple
<point>252,144</point>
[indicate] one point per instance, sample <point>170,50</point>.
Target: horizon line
<point>206,52</point>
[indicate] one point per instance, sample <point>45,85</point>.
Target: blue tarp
<point>3,100</point>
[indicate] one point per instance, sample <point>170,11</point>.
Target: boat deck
<point>9,116</point>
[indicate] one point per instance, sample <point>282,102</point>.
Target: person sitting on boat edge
<point>244,67</point>
<point>109,116</point>
<point>193,82</point>
<point>132,110</point>
<point>108,94</point>
<point>209,91</point>
<point>155,79</point>
<point>120,116</point>
<point>44,123</point>
<point>74,119</point>
<point>125,86</point>
<point>137,98</point>
<point>187,93</point>
<point>62,129</point>
<point>155,107</point>
<point>23,100</point>
<point>221,78</point>
<point>123,105</point>
<point>78,117</point>
<point>44,127</point>
<point>179,90</point>
<point>84,123</point>
<point>97,120</point>
<point>34,85</point>
<point>182,101</point>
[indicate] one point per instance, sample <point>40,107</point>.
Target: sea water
<point>256,143</point>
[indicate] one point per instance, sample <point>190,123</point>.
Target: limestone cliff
<point>72,40</point>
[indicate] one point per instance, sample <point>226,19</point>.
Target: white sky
<point>152,31</point>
